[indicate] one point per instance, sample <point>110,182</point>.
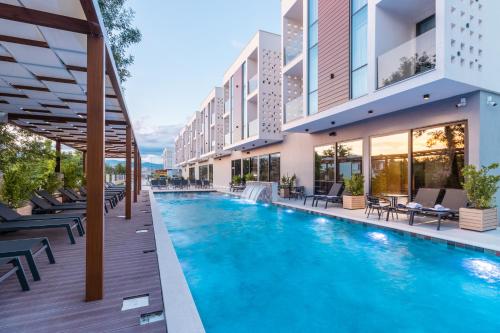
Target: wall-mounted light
<point>491,102</point>
<point>370,111</point>
<point>462,103</point>
<point>307,129</point>
<point>427,97</point>
<point>333,123</point>
<point>333,134</point>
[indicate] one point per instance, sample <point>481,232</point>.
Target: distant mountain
<point>145,165</point>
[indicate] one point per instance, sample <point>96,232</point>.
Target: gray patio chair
<point>28,248</point>
<point>16,268</point>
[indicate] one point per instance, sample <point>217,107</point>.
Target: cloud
<point>154,138</point>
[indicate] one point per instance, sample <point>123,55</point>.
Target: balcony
<point>253,128</point>
<point>414,57</point>
<point>253,84</point>
<point>294,109</point>
<point>227,139</point>
<point>292,52</point>
<point>227,106</point>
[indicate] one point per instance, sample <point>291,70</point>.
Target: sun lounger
<point>111,199</point>
<point>9,215</point>
<point>16,268</point>
<point>68,225</point>
<point>43,206</point>
<point>28,248</point>
<point>453,200</point>
<point>54,202</point>
<point>334,195</point>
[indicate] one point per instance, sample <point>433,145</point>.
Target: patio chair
<point>453,200</point>
<point>54,202</point>
<point>9,215</point>
<point>29,249</point>
<point>297,192</point>
<point>16,268</point>
<point>334,192</point>
<point>374,203</point>
<point>335,198</point>
<point>43,206</point>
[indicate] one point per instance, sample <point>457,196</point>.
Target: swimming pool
<point>260,268</point>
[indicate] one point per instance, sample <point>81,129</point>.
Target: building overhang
<point>252,143</point>
<point>400,96</point>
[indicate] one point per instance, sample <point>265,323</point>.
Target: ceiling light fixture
<point>427,97</point>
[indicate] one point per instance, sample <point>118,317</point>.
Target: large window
<point>324,168</point>
<point>274,167</point>
<point>246,166</point>
<point>203,172</point>
<point>192,174</point>
<point>359,45</point>
<point>244,114</point>
<point>313,57</point>
<point>264,168</point>
<point>438,157</point>
<point>235,168</point>
<point>389,164</point>
<point>254,167</point>
<point>349,159</point>
<point>211,173</point>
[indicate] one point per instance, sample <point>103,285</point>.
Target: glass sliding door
<point>274,168</point>
<point>211,173</point>
<point>192,174</point>
<point>254,167</point>
<point>349,159</point>
<point>312,56</point>
<point>246,166</point>
<point>438,156</point>
<point>389,164</point>
<point>324,168</point>
<point>264,168</point>
<point>235,168</point>
<point>203,172</point>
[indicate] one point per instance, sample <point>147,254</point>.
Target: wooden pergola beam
<point>128,175</point>
<point>55,119</point>
<point>136,169</point>
<point>45,19</point>
<point>94,280</point>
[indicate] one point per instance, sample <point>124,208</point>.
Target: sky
<point>186,47</point>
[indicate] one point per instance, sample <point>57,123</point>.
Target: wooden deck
<point>56,303</point>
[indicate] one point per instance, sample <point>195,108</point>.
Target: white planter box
<point>25,210</point>
<point>478,219</point>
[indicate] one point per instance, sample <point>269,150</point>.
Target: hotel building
<point>402,91</point>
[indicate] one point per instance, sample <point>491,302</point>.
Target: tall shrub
<point>480,185</point>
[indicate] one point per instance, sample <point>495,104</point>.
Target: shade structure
<point>58,79</point>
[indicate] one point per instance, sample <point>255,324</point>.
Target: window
<point>192,174</point>
<point>274,169</point>
<point>313,58</point>
<point>246,166</point>
<point>426,25</point>
<point>211,173</point>
<point>438,157</point>
<point>235,168</point>
<point>324,168</point>
<point>203,172</point>
<point>359,45</point>
<point>244,114</point>
<point>389,164</point>
<point>349,159</point>
<point>254,167</point>
<point>264,168</point>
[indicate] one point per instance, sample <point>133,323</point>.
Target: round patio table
<point>394,198</point>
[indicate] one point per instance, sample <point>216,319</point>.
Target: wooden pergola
<point>58,79</point>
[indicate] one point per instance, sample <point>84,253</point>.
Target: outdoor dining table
<point>393,199</point>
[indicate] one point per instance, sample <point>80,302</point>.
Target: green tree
<point>119,169</point>
<point>72,168</point>
<point>118,21</point>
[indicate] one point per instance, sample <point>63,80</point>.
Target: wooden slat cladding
<point>333,53</point>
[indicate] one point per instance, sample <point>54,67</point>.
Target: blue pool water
<point>258,268</point>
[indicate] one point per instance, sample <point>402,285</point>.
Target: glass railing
<point>253,84</point>
<point>227,139</point>
<point>253,128</point>
<point>291,53</point>
<point>227,106</point>
<point>294,109</point>
<point>414,57</point>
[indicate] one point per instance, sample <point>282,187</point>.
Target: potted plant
<point>237,180</point>
<point>249,177</point>
<point>480,187</point>
<point>354,188</point>
<point>286,185</point>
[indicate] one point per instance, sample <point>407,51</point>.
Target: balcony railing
<point>291,53</point>
<point>253,127</point>
<point>227,139</point>
<point>294,109</point>
<point>414,57</point>
<point>227,106</point>
<point>253,84</point>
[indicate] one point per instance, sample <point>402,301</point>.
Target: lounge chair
<point>44,224</point>
<point>112,199</point>
<point>54,202</point>
<point>9,215</point>
<point>28,248</point>
<point>426,197</point>
<point>453,200</point>
<point>45,207</point>
<point>17,269</point>
<point>334,195</point>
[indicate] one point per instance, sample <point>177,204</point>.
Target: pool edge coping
<point>181,314</point>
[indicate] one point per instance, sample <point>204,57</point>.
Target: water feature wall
<point>260,192</point>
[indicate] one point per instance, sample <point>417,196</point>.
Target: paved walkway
<point>55,304</point>
<point>426,227</point>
